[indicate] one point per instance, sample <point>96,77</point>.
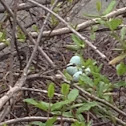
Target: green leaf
<point>103,88</point>
<point>123,33</point>
<point>78,41</point>
<point>52,2</point>
<point>117,59</point>
<point>68,76</point>
<point>73,47</point>
<point>98,5</point>
<point>91,16</point>
<point>114,23</point>
<point>87,107</point>
<point>80,117</point>
<point>1,34</point>
<point>70,1</point>
<point>51,121</point>
<point>93,36</point>
<point>77,123</point>
<point>43,105</point>
<point>4,124</point>
<point>59,105</point>
<point>30,101</point>
<point>38,123</point>
<point>20,35</point>
<point>119,84</point>
<point>101,21</point>
<point>35,28</point>
<point>110,7</point>
<point>86,80</point>
<point>54,20</point>
<point>76,105</point>
<point>65,89</point>
<point>121,69</point>
<point>73,95</point>
<point>67,114</point>
<point>51,90</point>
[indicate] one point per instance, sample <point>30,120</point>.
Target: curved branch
<point>71,29</point>
<point>34,118</point>
<point>81,26</point>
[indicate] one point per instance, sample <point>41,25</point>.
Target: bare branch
<point>83,25</point>
<point>23,78</point>
<point>73,30</point>
<point>34,118</point>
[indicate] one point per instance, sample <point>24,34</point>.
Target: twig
<point>39,90</point>
<point>5,112</point>
<point>24,6</point>
<point>73,30</point>
<point>83,25</point>
<point>23,78</point>
<point>83,92</point>
<point>34,118</point>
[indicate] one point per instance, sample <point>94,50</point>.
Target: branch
<point>81,26</point>
<point>34,118</point>
<point>23,78</point>
<point>24,6</point>
<point>83,92</point>
<point>71,29</point>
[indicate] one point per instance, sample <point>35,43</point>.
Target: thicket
<point>47,76</point>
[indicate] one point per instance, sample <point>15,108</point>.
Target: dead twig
<point>83,92</point>
<point>73,30</point>
<point>34,118</point>
<point>23,78</point>
<point>83,25</point>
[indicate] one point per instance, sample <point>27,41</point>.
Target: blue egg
<point>76,76</point>
<point>71,69</point>
<point>75,60</point>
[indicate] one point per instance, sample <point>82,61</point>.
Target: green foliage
<point>86,80</point>
<point>121,69</point>
<point>70,1</point>
<point>86,107</point>
<point>91,80</point>
<point>41,105</point>
<point>51,90</point>
<point>77,123</point>
<point>117,59</point>
<point>110,7</point>
<point>5,125</point>
<point>120,84</point>
<point>65,89</point>
<point>37,123</point>
<point>73,95</point>
<point>54,20</point>
<point>20,35</point>
<point>59,105</point>
<point>80,43</point>
<point>114,23</point>
<point>93,33</point>
<point>49,122</point>
<point>98,6</point>
<point>123,33</point>
<point>3,37</point>
<point>35,28</point>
